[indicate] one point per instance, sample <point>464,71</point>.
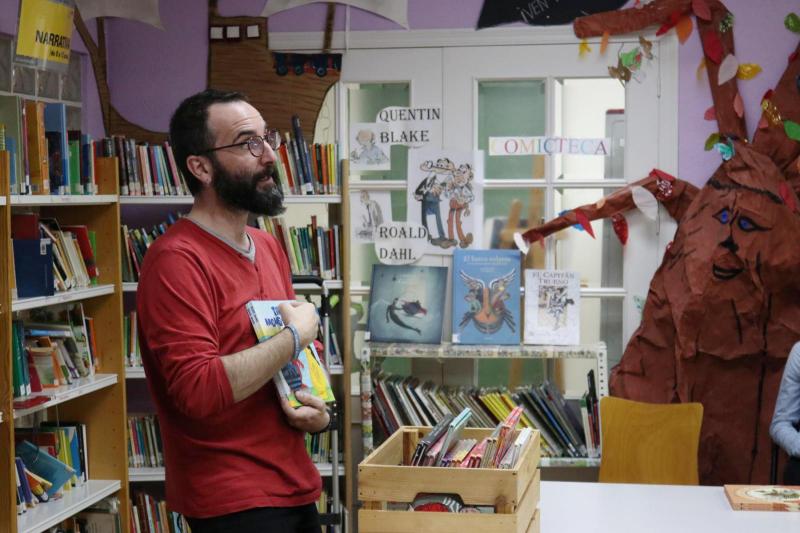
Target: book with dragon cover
<point>486,296</point>
<point>306,371</point>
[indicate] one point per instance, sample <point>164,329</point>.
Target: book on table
<point>305,372</point>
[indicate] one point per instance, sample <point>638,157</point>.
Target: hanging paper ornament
<point>700,68</point>
<point>727,69</point>
<point>684,28</point>
<point>632,59</point>
<point>701,9</point>
<point>711,141</point>
<point>726,150</point>
<point>645,201</point>
<point>583,220</point>
<point>604,42</point>
<point>664,181</point>
<point>726,23</point>
<point>647,47</point>
<point>738,105</point>
<point>584,48</point>
<point>620,226</point>
<point>792,129</point>
<point>792,22</point>
<point>785,192</point>
<point>712,46</point>
<point>748,71</point>
<point>710,114</point>
<point>620,72</point>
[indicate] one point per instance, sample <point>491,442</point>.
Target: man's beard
<point>241,191</point>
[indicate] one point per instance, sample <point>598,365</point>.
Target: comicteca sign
<point>44,34</point>
<point>400,243</point>
<point>548,146</point>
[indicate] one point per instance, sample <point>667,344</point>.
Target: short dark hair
<point>188,129</point>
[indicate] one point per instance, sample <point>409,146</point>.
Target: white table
<point>568,507</point>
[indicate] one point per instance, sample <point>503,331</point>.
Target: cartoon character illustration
<point>487,309</point>
<point>429,192</point>
<point>459,190</point>
<point>723,309</point>
<point>553,302</point>
<point>372,219</point>
<point>409,309</point>
<point>368,153</point>
<point>294,374</point>
<point>319,381</point>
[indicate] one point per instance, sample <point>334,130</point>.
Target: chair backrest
<point>649,443</point>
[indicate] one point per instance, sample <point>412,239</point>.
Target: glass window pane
<point>5,65</point>
<point>74,118</point>
<point>591,109</point>
<point>24,80</point>
<point>47,84</point>
<point>364,101</point>
<point>598,260</point>
<point>72,81</point>
<point>510,109</point>
<point>498,204</point>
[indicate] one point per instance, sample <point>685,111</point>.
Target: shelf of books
<point>63,199</point>
<point>153,474</point>
<point>40,401</point>
<point>483,351</point>
<point>45,516</point>
<point>71,295</point>
<point>329,284</point>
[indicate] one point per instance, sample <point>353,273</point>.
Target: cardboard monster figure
<point>723,309</point>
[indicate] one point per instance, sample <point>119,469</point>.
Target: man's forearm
<point>250,369</point>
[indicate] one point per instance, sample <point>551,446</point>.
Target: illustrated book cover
<point>306,372</point>
<point>552,307</point>
<point>763,497</point>
<point>486,296</point>
<point>406,303</point>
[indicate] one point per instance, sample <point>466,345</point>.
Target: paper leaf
<point>583,220</point>
<point>728,69</point>
<point>792,129</point>
<point>763,123</point>
<point>785,193</point>
<point>726,150</point>
<point>711,141</point>
<point>684,28</point>
<point>584,48</point>
<point>620,225</point>
<point>604,42</point>
<point>701,9</point>
<point>710,114</point>
<point>701,67</point>
<point>792,22</point>
<point>748,71</point>
<point>738,105</point>
<point>674,17</point>
<point>645,201</point>
<point>662,175</point>
<point>712,46</point>
<point>532,235</point>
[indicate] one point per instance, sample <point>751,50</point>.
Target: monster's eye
<point>747,224</point>
<point>723,215</point>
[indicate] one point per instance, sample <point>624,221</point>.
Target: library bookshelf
<point>98,401</point>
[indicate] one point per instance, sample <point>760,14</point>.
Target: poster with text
<point>552,307</point>
<point>369,209</point>
<point>445,195</point>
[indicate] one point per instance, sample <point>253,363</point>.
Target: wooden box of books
<point>496,500</point>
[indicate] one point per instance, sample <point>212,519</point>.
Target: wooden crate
<point>383,477</point>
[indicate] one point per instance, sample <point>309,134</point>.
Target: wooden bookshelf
<point>98,401</point>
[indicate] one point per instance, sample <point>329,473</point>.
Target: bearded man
<point>234,452</point>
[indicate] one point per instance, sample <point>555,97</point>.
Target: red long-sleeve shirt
<point>221,457</point>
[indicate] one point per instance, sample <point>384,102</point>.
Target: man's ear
<point>200,166</point>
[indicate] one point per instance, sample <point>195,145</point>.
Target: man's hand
<point>303,315</point>
<point>310,417</point>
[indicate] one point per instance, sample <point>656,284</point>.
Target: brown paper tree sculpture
<point>723,308</point>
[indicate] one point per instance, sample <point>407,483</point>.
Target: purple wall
<point>151,70</point>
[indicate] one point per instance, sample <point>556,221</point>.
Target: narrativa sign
<point>548,146</point>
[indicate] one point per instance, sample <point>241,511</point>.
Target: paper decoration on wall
<point>645,201</point>
<point>400,243</point>
<point>723,309</point>
<point>552,307</point>
<point>792,22</point>
<point>394,10</point>
<point>145,11</point>
<point>540,12</point>
<point>727,69</point>
<point>44,32</point>
<point>298,64</point>
<point>446,187</point>
<point>584,48</point>
<point>368,210</point>
<point>748,71</point>
<point>409,126</point>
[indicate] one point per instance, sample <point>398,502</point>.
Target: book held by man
<point>305,372</point>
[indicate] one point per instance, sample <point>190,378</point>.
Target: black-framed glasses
<point>254,144</point>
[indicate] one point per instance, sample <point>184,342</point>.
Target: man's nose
<point>269,155</point>
<point>729,244</point>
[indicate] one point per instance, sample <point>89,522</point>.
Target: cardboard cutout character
<point>723,309</point>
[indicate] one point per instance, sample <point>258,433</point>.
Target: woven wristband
<point>296,337</point>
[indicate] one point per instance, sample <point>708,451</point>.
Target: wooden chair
<point>649,443</point>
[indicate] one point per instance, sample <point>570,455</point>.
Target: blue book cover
<point>44,465</point>
<point>406,303</point>
<point>486,296</point>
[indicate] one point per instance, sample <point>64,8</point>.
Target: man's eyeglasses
<point>254,144</point>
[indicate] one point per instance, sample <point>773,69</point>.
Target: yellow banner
<point>44,33</point>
